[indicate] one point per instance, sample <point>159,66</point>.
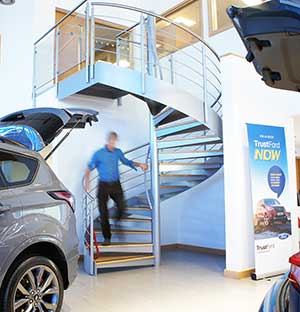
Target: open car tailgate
<point>271,34</point>
<point>38,127</point>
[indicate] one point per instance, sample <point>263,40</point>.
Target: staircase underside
<point>116,81</point>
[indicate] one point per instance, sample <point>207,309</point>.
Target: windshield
<point>271,202</point>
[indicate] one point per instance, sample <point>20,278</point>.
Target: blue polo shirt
<point>107,163</point>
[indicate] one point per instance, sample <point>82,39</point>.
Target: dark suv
<point>38,240</point>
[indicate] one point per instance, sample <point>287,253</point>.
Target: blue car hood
<point>38,127</point>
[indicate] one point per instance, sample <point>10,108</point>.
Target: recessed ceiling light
<point>184,21</point>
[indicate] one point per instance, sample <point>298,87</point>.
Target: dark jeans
<point>114,191</point>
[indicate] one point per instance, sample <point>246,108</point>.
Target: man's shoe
<point>106,242</point>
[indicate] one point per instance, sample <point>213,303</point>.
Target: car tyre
<point>35,282</point>
<point>266,220</point>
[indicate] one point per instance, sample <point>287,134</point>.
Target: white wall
<point>202,214</point>
<point>247,100</point>
<point>16,27</point>
<point>20,25</point>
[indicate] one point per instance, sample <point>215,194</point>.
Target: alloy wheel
<point>37,290</point>
<point>266,220</point>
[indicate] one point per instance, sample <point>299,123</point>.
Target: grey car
<point>38,240</point>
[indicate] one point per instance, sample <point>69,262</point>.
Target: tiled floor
<point>185,282</point>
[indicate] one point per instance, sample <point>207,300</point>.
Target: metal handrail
<point>160,31</point>
<point>150,13</point>
<point>145,181</point>
<point>130,8</point>
<point>88,219</point>
<point>60,21</point>
<point>125,153</point>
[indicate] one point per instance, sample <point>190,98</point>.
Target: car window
<point>17,170</point>
<point>271,202</point>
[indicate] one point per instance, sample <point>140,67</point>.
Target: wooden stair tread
<point>181,175</point>
<point>190,163</point>
<point>139,208</point>
<point>122,244</point>
<point>192,152</point>
<point>190,138</point>
<point>108,258</point>
<point>126,244</point>
<point>137,232</point>
<point>132,220</point>
<point>172,186</point>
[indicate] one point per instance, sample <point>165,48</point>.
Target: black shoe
<point>106,242</point>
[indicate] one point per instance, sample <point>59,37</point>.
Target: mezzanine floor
<point>186,282</point>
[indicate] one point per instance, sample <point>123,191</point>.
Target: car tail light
<point>64,195</point>
<point>294,275</point>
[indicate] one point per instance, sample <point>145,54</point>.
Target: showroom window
<point>72,38</point>
<point>218,19</point>
<point>170,37</point>
<point>188,14</point>
<point>17,170</point>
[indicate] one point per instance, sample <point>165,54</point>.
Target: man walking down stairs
<point>106,161</point>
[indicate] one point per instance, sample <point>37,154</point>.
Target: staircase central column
<point>155,184</point>
<point>155,191</point>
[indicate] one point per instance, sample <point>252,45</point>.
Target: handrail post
<point>92,243</point>
<point>80,47</point>
<point>56,68</point>
<point>155,191</point>
<point>118,58</point>
<point>204,72</point>
<point>118,43</point>
<point>151,61</point>
<point>92,42</point>
<point>87,43</point>
<point>142,29</point>
<point>34,77</point>
<point>171,61</point>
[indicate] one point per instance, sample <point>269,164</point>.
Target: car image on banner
<point>271,220</point>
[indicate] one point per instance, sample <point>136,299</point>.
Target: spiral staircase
<point>176,74</point>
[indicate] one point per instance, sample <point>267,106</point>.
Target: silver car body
<point>32,221</point>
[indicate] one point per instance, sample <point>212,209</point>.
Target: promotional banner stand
<point>273,241</point>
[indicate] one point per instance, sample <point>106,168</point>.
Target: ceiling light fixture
<point>184,21</point>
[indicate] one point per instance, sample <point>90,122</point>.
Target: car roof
<point>18,148</point>
<point>9,141</point>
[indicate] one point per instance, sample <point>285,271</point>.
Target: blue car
<point>271,34</point>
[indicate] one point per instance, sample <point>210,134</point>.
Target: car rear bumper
<point>280,218</point>
<point>73,268</point>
